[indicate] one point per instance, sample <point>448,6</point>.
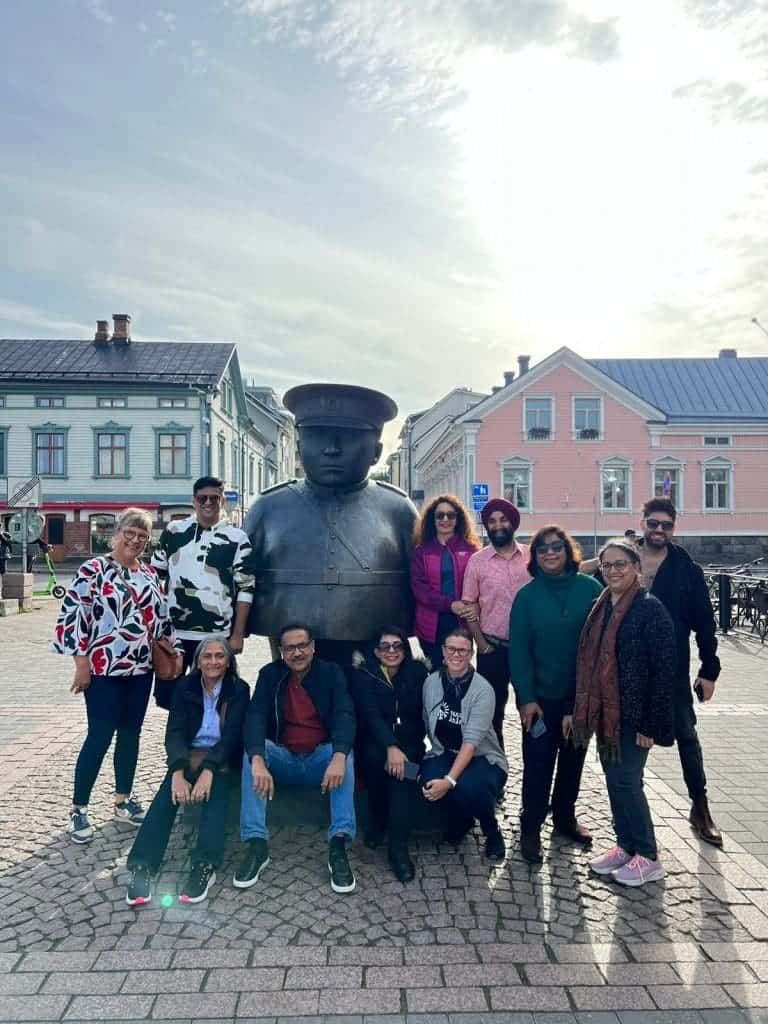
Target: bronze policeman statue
<point>333,549</point>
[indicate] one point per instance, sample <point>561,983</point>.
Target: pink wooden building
<point>586,442</point>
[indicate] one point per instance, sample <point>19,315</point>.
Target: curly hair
<point>572,549</point>
<point>426,531</point>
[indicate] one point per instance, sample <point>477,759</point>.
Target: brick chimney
<point>101,337</point>
<point>727,353</point>
<point>121,335</point>
<point>523,363</point>
<point>509,376</point>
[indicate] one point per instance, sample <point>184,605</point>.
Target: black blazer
<point>379,703</point>
<point>186,717</point>
<point>327,687</point>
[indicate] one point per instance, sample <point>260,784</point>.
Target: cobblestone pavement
<point>465,942</point>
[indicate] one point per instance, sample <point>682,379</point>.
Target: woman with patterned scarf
<point>624,676</point>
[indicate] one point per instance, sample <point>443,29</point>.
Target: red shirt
<point>304,729</point>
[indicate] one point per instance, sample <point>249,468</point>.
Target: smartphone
<point>412,769</point>
<point>699,692</point>
<point>538,728</point>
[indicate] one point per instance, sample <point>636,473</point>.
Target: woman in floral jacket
<point>112,611</point>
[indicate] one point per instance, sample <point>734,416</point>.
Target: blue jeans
<point>631,815</point>
<point>298,770</point>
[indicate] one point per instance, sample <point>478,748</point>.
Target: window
<point>50,452</point>
<point>251,474</point>
<point>111,403</point>
<point>667,483</point>
<point>49,403</point>
<point>717,486</point>
<point>235,465</point>
<point>538,419</point>
<point>222,458</point>
<point>101,529</point>
<point>716,441</point>
<point>173,454</point>
<point>172,403</point>
<point>2,401</point>
<point>111,454</point>
<point>3,451</point>
<point>587,419</point>
<point>516,483</point>
<point>614,485</point>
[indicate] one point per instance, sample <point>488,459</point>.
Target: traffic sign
<point>480,494</point>
<point>35,525</point>
<point>231,497</point>
<point>24,492</point>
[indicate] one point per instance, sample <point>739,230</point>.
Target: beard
<point>500,538</point>
<point>655,542</point>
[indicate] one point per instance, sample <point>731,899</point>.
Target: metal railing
<point>740,603</point>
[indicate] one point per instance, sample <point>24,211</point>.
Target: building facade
<point>114,422</point>
<point>585,443</point>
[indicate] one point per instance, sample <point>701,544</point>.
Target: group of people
<point>605,657</point>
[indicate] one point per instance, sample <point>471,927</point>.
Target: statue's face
<point>338,457</point>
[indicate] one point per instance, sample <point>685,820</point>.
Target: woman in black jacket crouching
<point>386,688</point>
<point>204,744</point>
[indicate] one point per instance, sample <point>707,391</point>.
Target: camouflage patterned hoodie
<point>205,573</point>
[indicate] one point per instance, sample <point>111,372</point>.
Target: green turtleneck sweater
<point>544,628</point>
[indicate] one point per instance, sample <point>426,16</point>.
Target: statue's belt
<point>334,577</point>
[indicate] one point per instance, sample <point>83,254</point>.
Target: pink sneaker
<point>639,871</point>
<point>614,859</point>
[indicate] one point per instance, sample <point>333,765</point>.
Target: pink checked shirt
<point>493,582</point>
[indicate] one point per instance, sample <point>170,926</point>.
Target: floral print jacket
<point>111,614</point>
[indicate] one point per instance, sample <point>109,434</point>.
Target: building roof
<point>688,390</point>
<point>163,362</point>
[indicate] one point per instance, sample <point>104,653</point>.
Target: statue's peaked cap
<point>339,405</point>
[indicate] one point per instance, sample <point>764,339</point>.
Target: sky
<point>404,194</point>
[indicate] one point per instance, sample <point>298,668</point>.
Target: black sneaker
<point>255,859</point>
<point>130,811</point>
<point>200,878</point>
<point>140,887</point>
<point>530,847</point>
<point>494,845</point>
<point>79,828</point>
<point>342,879</point>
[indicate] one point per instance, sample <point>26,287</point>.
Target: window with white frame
<point>615,478</point>
<point>516,482</point>
<point>718,486</point>
<point>45,402</point>
<point>111,403</point>
<point>587,418</point>
<point>172,403</point>
<point>111,451</point>
<point>173,454</point>
<point>50,452</point>
<point>717,441</point>
<point>235,465</point>
<point>251,474</point>
<point>3,450</point>
<point>538,419</point>
<point>667,482</point>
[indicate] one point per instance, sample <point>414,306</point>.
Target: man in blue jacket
<point>299,730</point>
<point>671,575</point>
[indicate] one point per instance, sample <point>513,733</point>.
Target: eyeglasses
<point>208,499</point>
<point>296,648</point>
<point>445,515</point>
<point>664,524</point>
<point>394,647</point>
<point>619,566</point>
<point>132,535</point>
<point>555,547</point>
<point>457,652</point>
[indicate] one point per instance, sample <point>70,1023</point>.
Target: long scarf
<point>597,709</point>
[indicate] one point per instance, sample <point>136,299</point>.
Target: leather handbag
<point>167,662</point>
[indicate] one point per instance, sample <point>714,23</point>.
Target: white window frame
<point>518,462</point>
<point>670,462</point>
<point>601,411</point>
<point>717,462</point>
<point>716,447</point>
<point>553,418</point>
<point>108,402</point>
<point>172,403</point>
<point>615,462</point>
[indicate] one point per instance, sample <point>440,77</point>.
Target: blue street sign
<point>480,492</point>
<point>231,497</point>
<point>478,506</point>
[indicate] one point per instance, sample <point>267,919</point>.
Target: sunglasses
<point>208,499</point>
<point>445,515</point>
<point>395,647</point>
<point>664,524</point>
<point>555,547</point>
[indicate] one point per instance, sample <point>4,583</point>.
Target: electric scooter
<point>53,587</point>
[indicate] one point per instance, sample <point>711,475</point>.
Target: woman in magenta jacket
<point>443,542</point>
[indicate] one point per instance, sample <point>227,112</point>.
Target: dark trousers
<point>539,759</point>
<point>475,793</point>
<point>688,746</point>
<point>151,842</point>
<point>495,668</point>
<point>631,815</point>
<point>389,800</point>
<point>433,653</point>
<point>114,704</point>
<point>165,688</point>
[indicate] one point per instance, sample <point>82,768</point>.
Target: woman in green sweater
<point>544,629</point>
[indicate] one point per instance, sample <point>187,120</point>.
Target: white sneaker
<point>79,828</point>
<point>639,871</point>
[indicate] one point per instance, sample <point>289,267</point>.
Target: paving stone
<point>133,960</point>
<point>324,977</point>
<point>8,961</point>
<point>407,977</point>
<point>482,974</point>
<point>685,997</point>
<point>665,952</point>
<point>640,974</point>
<point>375,1000</point>
<point>717,973</point>
<point>196,1004</point>
<point>87,983</point>
<point>108,1007</point>
<point>666,1016</point>
<point>279,1004</point>
<point>381,956</point>
<point>530,999</point>
<point>245,979</point>
<point>749,995</point>
<point>430,1000</point>
<point>289,956</point>
<point>211,958</point>
<point>163,981</point>
<point>440,954</point>
<point>46,962</point>
<point>563,974</point>
<point>515,953</point>
<point>588,953</point>
<point>744,951</point>
<point>611,997</point>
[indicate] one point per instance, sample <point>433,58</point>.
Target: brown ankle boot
<point>701,821</point>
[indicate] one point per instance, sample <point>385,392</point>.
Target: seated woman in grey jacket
<point>466,768</point>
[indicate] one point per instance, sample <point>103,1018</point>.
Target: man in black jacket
<point>673,577</point>
<point>300,730</point>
